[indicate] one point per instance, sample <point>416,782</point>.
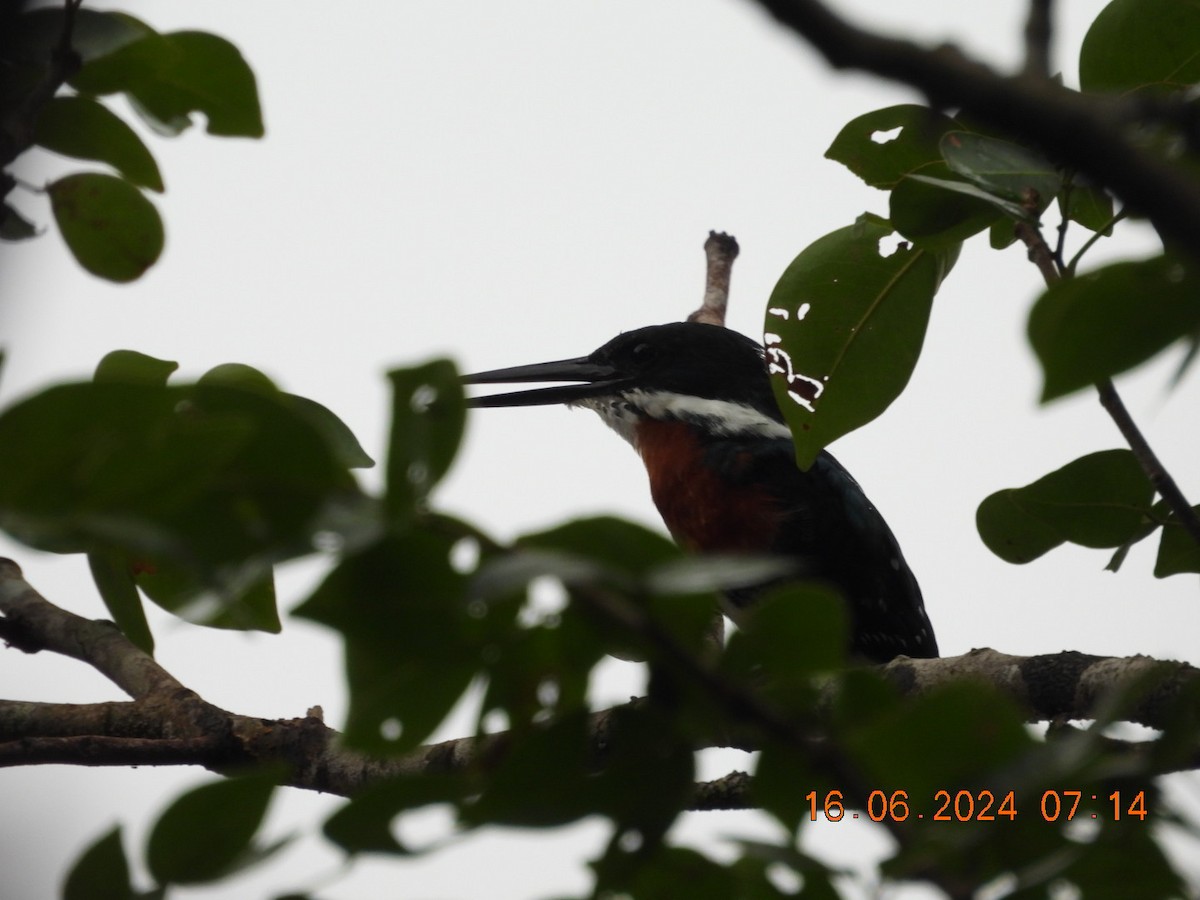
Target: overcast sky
<point>508,182</point>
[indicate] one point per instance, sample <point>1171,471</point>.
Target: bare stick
<point>1037,39</point>
<point>720,250</point>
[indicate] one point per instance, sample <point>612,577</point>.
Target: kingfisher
<point>695,401</point>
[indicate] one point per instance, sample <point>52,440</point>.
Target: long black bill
<point>599,379</point>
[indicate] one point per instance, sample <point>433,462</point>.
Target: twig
<point>1037,39</point>
<point>1148,459</point>
<point>1156,472</point>
<point>720,250</point>
<point>1081,131</point>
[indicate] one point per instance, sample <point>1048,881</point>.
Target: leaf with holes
<point>428,416</point>
<point>866,147</point>
<point>844,328</point>
<point>402,611</point>
<point>1096,325</point>
<point>109,225</point>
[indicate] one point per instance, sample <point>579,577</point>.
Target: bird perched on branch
<point>695,401</point>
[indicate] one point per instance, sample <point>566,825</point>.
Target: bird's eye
<point>644,353</point>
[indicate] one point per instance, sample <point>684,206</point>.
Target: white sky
<point>511,182</point>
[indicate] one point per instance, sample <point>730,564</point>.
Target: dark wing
<point>828,523</point>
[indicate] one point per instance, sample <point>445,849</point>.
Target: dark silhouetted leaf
<point>14,226</point>
<point>36,34</point>
<point>170,76</point>
<point>428,416</point>
<point>868,149</point>
<point>1010,531</point>
<point>960,734</point>
<point>101,873</point>
<point>402,611</point>
<point>109,225</point>
<point>205,833</point>
<point>1136,44</point>
<point>1091,327</point>
<point>1178,551</point>
<point>785,638</point>
<point>131,367</point>
<point>116,585</point>
<point>217,480</point>
<point>543,780</point>
<point>82,128</point>
<point>844,328</point>
<point>1098,500</point>
<point>364,824</point>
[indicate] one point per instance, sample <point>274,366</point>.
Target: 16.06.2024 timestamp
<point>982,806</point>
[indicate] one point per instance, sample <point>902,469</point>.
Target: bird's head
<point>683,371</point>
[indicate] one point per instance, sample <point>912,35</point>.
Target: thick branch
<point>1080,131</point>
<point>31,623</point>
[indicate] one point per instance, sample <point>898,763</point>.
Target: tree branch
<point>1083,132</point>
<point>1041,256</point>
<point>167,724</point>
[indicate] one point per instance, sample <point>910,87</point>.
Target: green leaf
<point>36,34</point>
<point>131,367</point>
<point>1099,500</point>
<point>101,873</point>
<point>240,375</point>
<point>242,606</point>
<point>14,226</point>
<point>364,824</point>
<point>960,734</point>
<point>206,833</point>
<point>617,544</point>
<point>115,582</point>
<point>1002,168</point>
<point>217,480</point>
<point>844,328</point>
<point>954,212</point>
<point>109,225</point>
<point>428,417</point>
<point>783,775</point>
<point>339,437</point>
<point>1010,531</point>
<point>336,433</point>
<point>1136,44</point>
<point>866,147</point>
<point>1091,327</point>
<point>544,779</point>
<point>82,128</point>
<point>683,872</point>
<point>170,76</point>
<point>787,637</point>
<point>402,611</point>
<point>1178,551</point>
<point>1091,207</point>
